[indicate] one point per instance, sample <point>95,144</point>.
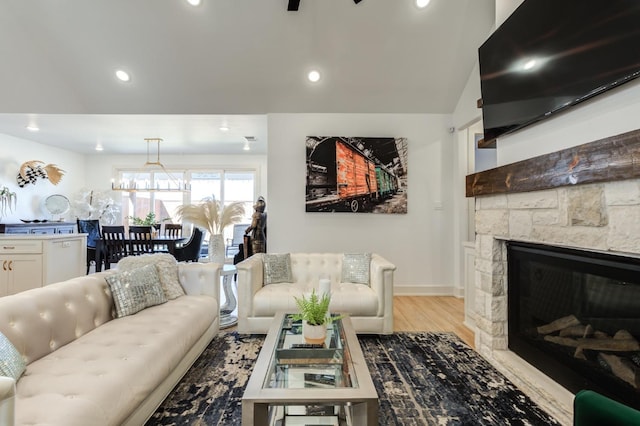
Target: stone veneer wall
<point>603,216</point>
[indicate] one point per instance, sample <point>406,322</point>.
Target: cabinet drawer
<point>50,230</point>
<point>20,246</point>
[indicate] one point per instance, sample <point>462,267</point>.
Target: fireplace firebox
<point>575,315</point>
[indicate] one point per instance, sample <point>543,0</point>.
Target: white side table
<point>226,319</point>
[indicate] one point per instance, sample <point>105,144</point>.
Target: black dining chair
<point>173,230</point>
<point>140,240</point>
<point>190,251</point>
<point>91,227</point>
<point>114,245</point>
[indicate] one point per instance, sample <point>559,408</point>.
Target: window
<point>225,185</point>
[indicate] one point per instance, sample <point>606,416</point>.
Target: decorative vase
<point>216,248</point>
<point>314,334</point>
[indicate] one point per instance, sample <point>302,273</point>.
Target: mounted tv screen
<point>552,54</point>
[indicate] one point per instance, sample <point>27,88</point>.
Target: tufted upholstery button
<point>12,324</point>
<point>52,344</point>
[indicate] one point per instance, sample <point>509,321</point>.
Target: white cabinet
<point>20,272</point>
<point>64,258</point>
<point>21,265</point>
<point>28,262</point>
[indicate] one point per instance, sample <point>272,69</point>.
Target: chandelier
<point>170,184</point>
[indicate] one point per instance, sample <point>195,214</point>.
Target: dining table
<point>156,241</point>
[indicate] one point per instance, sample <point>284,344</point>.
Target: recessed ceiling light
<point>194,2</point>
<point>422,3</point>
<point>99,147</point>
<point>224,129</point>
<point>313,76</point>
<point>33,128</point>
<point>246,146</point>
<point>123,76</point>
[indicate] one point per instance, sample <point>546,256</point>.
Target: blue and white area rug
<point>421,379</point>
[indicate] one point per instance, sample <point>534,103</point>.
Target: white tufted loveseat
<point>369,306</point>
<point>85,368</point>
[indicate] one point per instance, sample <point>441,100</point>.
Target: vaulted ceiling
<point>229,58</point>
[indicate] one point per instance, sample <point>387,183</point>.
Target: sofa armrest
<point>250,280</point>
<point>381,281</point>
<point>200,278</point>
<point>7,401</point>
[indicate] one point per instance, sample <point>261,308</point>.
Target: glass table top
<point>295,366</point>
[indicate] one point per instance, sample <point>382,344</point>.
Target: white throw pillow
<point>11,362</point>
<point>355,268</point>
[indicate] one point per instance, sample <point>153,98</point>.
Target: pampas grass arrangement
<point>211,215</point>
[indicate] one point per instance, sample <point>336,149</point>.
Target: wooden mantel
<point>609,159</point>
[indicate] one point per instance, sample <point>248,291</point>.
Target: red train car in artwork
<point>340,177</point>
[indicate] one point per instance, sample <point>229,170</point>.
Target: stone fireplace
<point>602,216</point>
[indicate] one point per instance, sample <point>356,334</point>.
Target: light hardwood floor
<point>431,313</point>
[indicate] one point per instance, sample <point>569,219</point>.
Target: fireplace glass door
<point>575,315</point>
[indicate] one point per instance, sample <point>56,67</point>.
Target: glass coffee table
<point>295,385</point>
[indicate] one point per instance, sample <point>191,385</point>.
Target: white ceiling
<point>224,62</point>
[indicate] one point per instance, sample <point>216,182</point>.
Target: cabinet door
<point>23,271</point>
<point>64,258</point>
<point>4,278</point>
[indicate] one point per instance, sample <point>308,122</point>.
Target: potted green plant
<point>314,313</point>
<point>149,219</point>
<point>213,217</point>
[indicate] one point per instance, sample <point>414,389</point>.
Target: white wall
<point>16,151</point>
<point>418,243</point>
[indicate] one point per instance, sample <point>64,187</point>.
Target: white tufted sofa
<point>85,368</point>
<point>369,306</point>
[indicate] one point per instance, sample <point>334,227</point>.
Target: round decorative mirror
<point>57,205</point>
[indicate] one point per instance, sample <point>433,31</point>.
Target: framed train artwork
<point>356,174</point>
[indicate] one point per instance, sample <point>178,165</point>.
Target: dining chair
<point>91,227</point>
<point>114,245</point>
<point>190,251</point>
<point>140,240</point>
<point>233,244</point>
<point>173,230</point>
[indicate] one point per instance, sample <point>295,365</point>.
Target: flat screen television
<point>552,54</point>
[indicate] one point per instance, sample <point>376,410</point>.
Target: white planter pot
<point>216,248</point>
<point>314,334</point>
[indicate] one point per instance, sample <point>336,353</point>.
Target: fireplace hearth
<point>575,315</point>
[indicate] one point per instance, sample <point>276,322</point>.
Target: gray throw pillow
<point>277,268</point>
<point>355,268</point>
<point>167,267</point>
<point>11,362</point>
<point>135,290</point>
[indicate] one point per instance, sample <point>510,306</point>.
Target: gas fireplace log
<point>564,341</point>
<point>610,345</point>
<point>558,324</point>
<point>577,331</point>
<point>621,368</point>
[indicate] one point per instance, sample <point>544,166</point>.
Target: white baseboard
<point>422,290</point>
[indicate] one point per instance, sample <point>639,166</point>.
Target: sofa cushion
<point>103,376</point>
<point>11,362</point>
<point>136,290</point>
<point>277,268</point>
<point>167,267</point>
<point>355,299</point>
<point>355,268</point>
